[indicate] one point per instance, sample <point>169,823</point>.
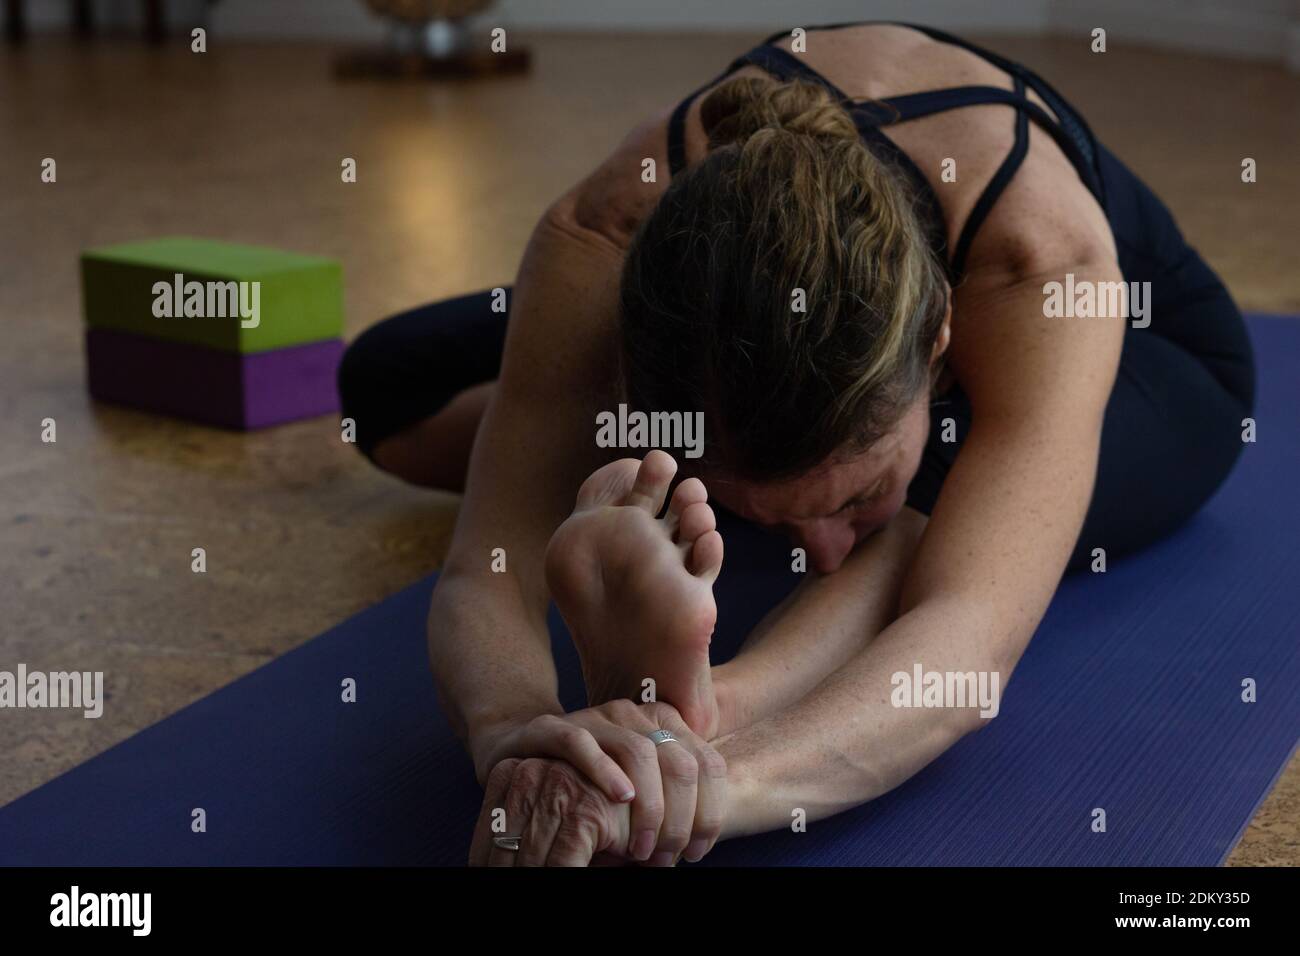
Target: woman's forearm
<point>847,743</point>
<point>822,626</point>
<point>490,662</point>
<point>976,590</point>
<point>489,646</point>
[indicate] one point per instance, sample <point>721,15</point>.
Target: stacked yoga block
<point>219,333</point>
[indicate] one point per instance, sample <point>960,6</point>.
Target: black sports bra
<point>1070,132</point>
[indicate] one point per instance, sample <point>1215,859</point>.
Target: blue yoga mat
<point>1128,699</point>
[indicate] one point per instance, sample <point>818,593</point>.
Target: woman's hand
<point>677,789</point>
<point>558,816</point>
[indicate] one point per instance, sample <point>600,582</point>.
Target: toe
<point>652,481</point>
<point>696,520</point>
<point>689,492</point>
<point>706,556</point>
<point>608,484</point>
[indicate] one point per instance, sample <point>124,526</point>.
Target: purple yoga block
<point>214,386</point>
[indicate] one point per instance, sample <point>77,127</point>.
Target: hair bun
<point>746,105</point>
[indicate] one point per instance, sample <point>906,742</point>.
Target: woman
<point>857,286</point>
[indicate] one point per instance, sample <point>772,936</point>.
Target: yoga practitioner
<point>939,441</point>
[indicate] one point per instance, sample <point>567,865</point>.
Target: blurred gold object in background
<point>432,38</point>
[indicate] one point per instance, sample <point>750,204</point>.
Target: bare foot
<point>637,591</point>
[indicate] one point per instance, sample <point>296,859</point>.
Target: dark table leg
<point>155,26</point>
<point>15,22</point>
<point>83,17</point>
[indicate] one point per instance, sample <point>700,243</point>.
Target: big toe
<point>609,484</point>
<point>652,480</point>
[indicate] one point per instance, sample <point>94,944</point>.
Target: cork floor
<point>244,143</point>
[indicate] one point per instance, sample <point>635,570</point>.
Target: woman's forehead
<point>817,494</point>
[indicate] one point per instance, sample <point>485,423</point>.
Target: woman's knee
<point>359,368</point>
<point>365,375</point>
<point>1172,435</point>
<point>407,368</point>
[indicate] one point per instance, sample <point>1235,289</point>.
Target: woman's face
<point>828,511</point>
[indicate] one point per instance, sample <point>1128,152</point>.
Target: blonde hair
<point>788,198</point>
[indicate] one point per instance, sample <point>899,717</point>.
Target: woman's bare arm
<point>488,643</point>
<point>819,628</point>
<point>987,566</point>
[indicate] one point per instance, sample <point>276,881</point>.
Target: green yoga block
<point>298,298</point>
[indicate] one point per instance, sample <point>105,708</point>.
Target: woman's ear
<point>945,333</point>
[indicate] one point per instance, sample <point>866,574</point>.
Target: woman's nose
<point>827,544</point>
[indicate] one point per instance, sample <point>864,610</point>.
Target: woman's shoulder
<point>620,192</point>
<point>871,61</point>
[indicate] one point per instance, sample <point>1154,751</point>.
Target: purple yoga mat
<point>213,386</point>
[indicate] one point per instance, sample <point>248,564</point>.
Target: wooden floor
<point>245,143</point>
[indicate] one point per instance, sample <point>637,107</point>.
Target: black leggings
<point>1172,428</point>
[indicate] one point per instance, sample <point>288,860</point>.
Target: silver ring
<point>661,737</point>
<point>510,843</point>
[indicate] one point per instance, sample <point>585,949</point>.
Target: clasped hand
<point>591,786</point>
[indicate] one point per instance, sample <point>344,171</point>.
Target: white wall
<point>1259,29</point>
<point>112,14</point>
<point>996,16</point>
<point>1262,29</point>
<point>1293,40</point>
<point>351,19</point>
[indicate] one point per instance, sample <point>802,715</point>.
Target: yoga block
<point>213,386</point>
<point>298,298</point>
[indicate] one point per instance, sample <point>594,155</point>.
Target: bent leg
<point>434,452</point>
<point>1172,433</point>
<point>416,386</point>
<point>1172,429</point>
